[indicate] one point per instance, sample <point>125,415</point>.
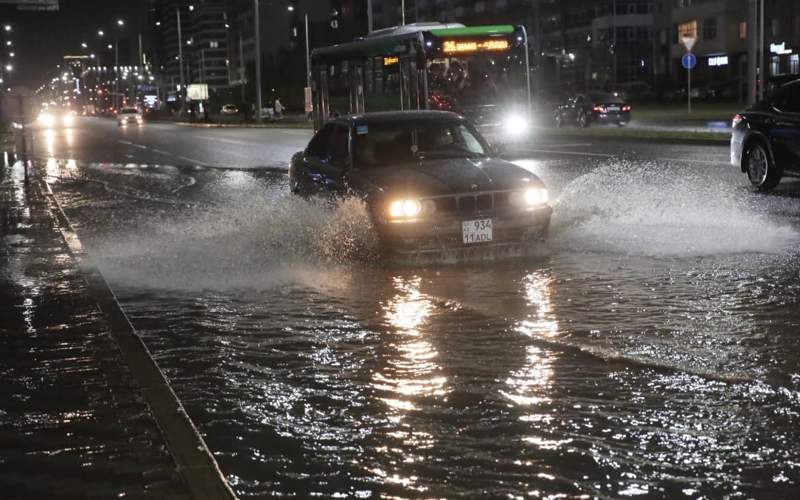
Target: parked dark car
<point>594,107</point>
<point>430,180</point>
<point>765,142</point>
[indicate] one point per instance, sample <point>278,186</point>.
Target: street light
<point>101,33</point>
<point>7,27</point>
<point>308,52</point>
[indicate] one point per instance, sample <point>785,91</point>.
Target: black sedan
<point>765,142</point>
<point>430,180</point>
<point>585,109</point>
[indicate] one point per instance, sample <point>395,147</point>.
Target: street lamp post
<point>180,48</point>
<point>258,60</point>
<point>308,46</point>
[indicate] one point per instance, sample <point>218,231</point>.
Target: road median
<point>638,135</point>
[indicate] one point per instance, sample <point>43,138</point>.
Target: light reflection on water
<point>574,375</point>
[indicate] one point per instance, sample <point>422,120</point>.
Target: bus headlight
<point>47,119</point>
<point>405,209</point>
<point>516,124</point>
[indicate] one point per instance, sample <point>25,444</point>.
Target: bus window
<point>339,96</point>
<point>383,90</point>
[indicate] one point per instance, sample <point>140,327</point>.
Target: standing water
<point>650,349</point>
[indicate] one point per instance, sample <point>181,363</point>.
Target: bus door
<point>405,84</point>
<point>357,88</point>
<point>321,99</point>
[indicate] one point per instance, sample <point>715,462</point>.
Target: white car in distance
<point>129,116</point>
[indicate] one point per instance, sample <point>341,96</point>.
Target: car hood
<point>434,177</point>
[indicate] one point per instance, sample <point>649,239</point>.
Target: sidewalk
<point>76,420</point>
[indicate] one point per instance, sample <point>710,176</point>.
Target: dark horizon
<point>41,39</point>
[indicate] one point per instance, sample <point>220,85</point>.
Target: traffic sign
<point>689,61</point>
<point>688,42</point>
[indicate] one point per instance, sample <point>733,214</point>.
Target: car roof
<point>383,117</point>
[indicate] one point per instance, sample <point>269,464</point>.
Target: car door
<point>326,161</point>
<point>785,130</point>
<point>568,112</point>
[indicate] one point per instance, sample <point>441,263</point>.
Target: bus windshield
<point>460,83</point>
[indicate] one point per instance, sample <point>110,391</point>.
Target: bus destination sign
<point>467,46</point>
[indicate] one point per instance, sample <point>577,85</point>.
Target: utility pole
<point>403,12</point>
<point>116,75</point>
<point>180,54</point>
<point>752,51</point>
<point>241,66</point>
<point>369,16</point>
<point>308,56</point>
<point>762,66</point>
<point>258,60</point>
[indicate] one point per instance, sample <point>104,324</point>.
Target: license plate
<point>476,231</point>
<point>613,109</point>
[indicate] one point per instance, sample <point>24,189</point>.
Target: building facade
<point>203,27</point>
<point>722,30</point>
<point>283,48</point>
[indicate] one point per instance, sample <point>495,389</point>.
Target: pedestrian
<point>278,108</point>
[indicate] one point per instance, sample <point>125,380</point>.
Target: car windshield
<point>386,143</point>
<point>605,98</point>
<point>129,111</point>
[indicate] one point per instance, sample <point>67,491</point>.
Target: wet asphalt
<point>649,350</point>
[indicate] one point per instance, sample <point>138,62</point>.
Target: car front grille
<point>472,203</point>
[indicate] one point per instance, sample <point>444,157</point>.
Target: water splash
<point>662,210</point>
<point>255,243</point>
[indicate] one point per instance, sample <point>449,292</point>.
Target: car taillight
<point>626,108</point>
<point>599,109</point>
<point>737,120</point>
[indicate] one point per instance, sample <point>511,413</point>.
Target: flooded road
<point>651,348</point>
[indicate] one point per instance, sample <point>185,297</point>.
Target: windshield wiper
<point>449,154</point>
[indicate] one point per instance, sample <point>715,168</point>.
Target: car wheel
<point>559,122</point>
<point>761,171</point>
<point>583,120</point>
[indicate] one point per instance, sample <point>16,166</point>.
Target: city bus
<point>481,72</point>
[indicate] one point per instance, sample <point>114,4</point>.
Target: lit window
<point>743,30</point>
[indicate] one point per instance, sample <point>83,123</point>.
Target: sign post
<point>18,107</point>
<point>688,61</point>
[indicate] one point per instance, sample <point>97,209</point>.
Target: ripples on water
<point>650,350</point>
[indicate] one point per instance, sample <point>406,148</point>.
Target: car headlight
<point>69,120</point>
<point>405,209</point>
<point>516,124</point>
<point>529,198</point>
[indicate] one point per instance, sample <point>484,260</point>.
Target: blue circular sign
<point>689,60</point>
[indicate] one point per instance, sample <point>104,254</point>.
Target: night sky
<point>42,38</point>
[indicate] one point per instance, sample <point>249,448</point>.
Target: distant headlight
<point>529,197</point>
<point>69,120</point>
<point>516,124</point>
<point>405,209</point>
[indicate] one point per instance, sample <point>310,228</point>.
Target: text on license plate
<point>476,231</point>
<point>613,109</point>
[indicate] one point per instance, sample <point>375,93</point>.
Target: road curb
<point>200,472</point>
<point>289,125</point>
